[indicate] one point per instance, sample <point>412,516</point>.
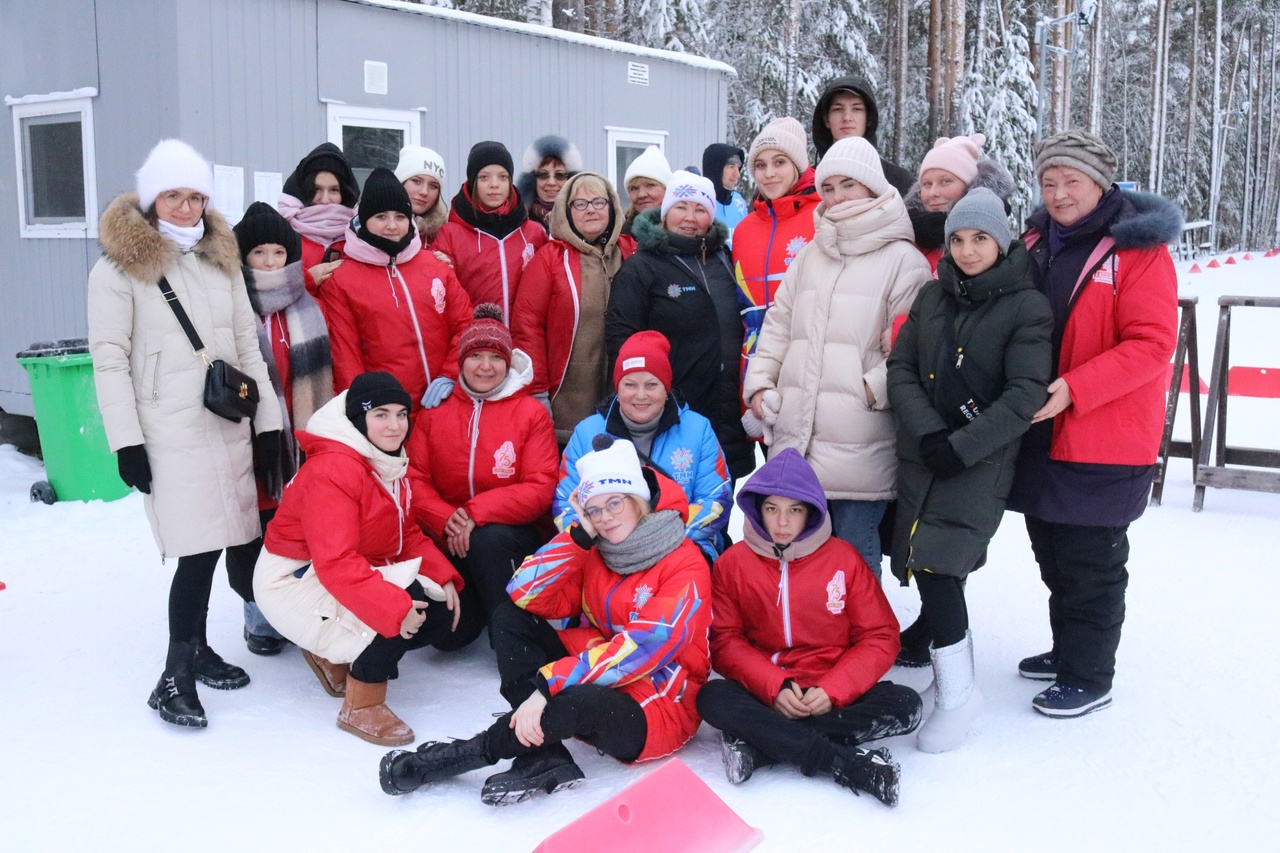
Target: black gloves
<point>135,470</point>
<point>266,453</point>
<point>938,455</point>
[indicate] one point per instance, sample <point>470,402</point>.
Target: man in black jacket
<point>847,108</point>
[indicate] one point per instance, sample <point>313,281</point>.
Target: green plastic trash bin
<point>76,457</point>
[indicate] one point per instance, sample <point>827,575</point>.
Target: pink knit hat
<point>957,155</point>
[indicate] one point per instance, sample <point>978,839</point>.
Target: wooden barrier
<point>1218,474</point>
<point>1187,353</point>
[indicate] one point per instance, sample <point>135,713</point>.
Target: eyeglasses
<point>559,176</point>
<point>612,506</point>
<point>584,203</point>
<point>173,198</point>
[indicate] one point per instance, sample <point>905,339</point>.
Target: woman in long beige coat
<point>818,375</point>
<point>194,468</point>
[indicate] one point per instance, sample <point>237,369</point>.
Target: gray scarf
<point>656,536</point>
<point>642,435</point>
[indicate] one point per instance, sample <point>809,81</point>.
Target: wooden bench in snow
<point>1186,355</point>
<point>1214,440</point>
<point>1190,245</point>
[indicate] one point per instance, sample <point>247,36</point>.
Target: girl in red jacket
<point>345,573</point>
<point>392,306</point>
<point>625,677</point>
<point>488,462</point>
<point>489,236</point>
<point>318,200</point>
<point>802,635</point>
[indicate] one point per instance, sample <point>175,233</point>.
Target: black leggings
<point>380,661</point>
<point>942,607</point>
<point>193,581</point>
<point>608,719</point>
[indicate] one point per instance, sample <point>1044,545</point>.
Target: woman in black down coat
<point>680,283</point>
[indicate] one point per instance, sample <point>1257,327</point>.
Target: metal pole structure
<point>1215,156</point>
<point>1082,17</point>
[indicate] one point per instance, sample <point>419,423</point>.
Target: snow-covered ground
<point>1184,760</point>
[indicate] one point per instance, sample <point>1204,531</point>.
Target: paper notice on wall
<point>267,187</point>
<point>228,192</point>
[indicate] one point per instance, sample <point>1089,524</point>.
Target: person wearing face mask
<point>624,676</point>
<point>951,169</point>
<point>548,162</point>
<point>318,200</point>
<point>195,469</point>
<point>669,436</point>
<point>345,573</point>
<point>818,374</point>
<point>421,170</point>
<point>780,223</point>
<point>392,306</point>
<point>559,312</point>
<point>489,237</point>
<point>680,283</point>
<point>486,459</point>
<point>722,164</point>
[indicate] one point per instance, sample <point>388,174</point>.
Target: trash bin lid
<point>52,349</point>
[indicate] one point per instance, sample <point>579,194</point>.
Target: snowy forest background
<point>1143,75</point>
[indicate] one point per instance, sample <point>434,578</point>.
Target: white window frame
<point>633,135</point>
<point>36,106</point>
<point>348,115</point>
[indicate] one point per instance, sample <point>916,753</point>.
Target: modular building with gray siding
<point>92,85</point>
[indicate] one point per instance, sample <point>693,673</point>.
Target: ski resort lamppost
<point>1082,17</point>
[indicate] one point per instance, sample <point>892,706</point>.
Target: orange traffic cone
<point>1213,264</point>
<point>1231,259</point>
<point>1195,268</point>
<point>671,810</point>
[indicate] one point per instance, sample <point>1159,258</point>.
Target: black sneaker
<point>871,771</point>
<point>915,640</point>
<point>740,759</point>
<point>1062,701</point>
<point>213,671</point>
<point>1042,667</point>
<point>401,771</point>
<point>544,770</point>
<point>262,645</point>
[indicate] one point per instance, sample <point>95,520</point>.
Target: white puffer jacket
<point>150,383</point>
<point>821,341</point>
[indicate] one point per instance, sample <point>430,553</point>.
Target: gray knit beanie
<point>981,209</point>
<point>1077,149</point>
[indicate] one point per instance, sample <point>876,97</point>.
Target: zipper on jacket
<point>784,600</point>
<point>473,427</point>
<point>413,314</point>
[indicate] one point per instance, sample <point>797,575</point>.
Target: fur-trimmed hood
<point>1145,220</point>
<point>649,233</point>
<point>540,149</point>
<point>141,252</point>
<point>560,229</point>
<point>822,136</point>
<point>430,223</point>
<point>991,175</point>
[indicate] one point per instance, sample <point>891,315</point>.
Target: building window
<point>372,136</point>
<point>57,186</point>
<point>625,145</point>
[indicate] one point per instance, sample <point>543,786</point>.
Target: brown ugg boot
<point>333,676</point>
<point>365,714</point>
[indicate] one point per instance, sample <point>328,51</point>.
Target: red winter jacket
<point>403,317</point>
<point>497,459</point>
<point>764,245</point>
<point>337,514</point>
<point>643,633</point>
<point>545,318</point>
<point>490,268</point>
<point>1118,340</point>
<point>313,253</point>
<point>820,618</point>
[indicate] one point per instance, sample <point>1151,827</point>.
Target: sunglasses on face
<point>559,176</point>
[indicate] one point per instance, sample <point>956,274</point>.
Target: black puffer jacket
<point>684,288</point>
<point>1002,326</point>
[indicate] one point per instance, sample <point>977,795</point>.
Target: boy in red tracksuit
<point>802,634</point>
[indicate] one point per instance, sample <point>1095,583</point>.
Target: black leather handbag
<point>228,393</point>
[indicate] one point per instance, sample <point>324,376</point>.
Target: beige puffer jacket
<point>150,383</point>
<point>821,341</point>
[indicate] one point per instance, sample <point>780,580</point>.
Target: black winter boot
<point>550,768</point>
<point>867,770</point>
<point>740,758</point>
<point>915,638</point>
<point>175,694</point>
<point>401,771</point>
<point>213,671</point>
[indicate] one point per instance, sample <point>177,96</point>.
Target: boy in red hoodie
<point>802,634</point>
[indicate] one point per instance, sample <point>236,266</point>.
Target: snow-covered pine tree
<point>1011,113</point>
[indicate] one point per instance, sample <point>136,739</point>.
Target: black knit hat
<point>368,391</point>
<point>383,192</point>
<point>262,224</point>
<point>325,157</point>
<point>488,154</point>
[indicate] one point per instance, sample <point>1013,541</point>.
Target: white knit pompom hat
<point>171,165</point>
<point>650,164</point>
<point>611,468</point>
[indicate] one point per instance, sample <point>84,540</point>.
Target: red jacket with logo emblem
<point>811,612</point>
<point>495,458</point>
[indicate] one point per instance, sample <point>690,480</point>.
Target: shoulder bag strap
<point>183,320</point>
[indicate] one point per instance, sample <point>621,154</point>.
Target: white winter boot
<point>956,698</point>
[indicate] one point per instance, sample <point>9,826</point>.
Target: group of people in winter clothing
<point>530,409</point>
